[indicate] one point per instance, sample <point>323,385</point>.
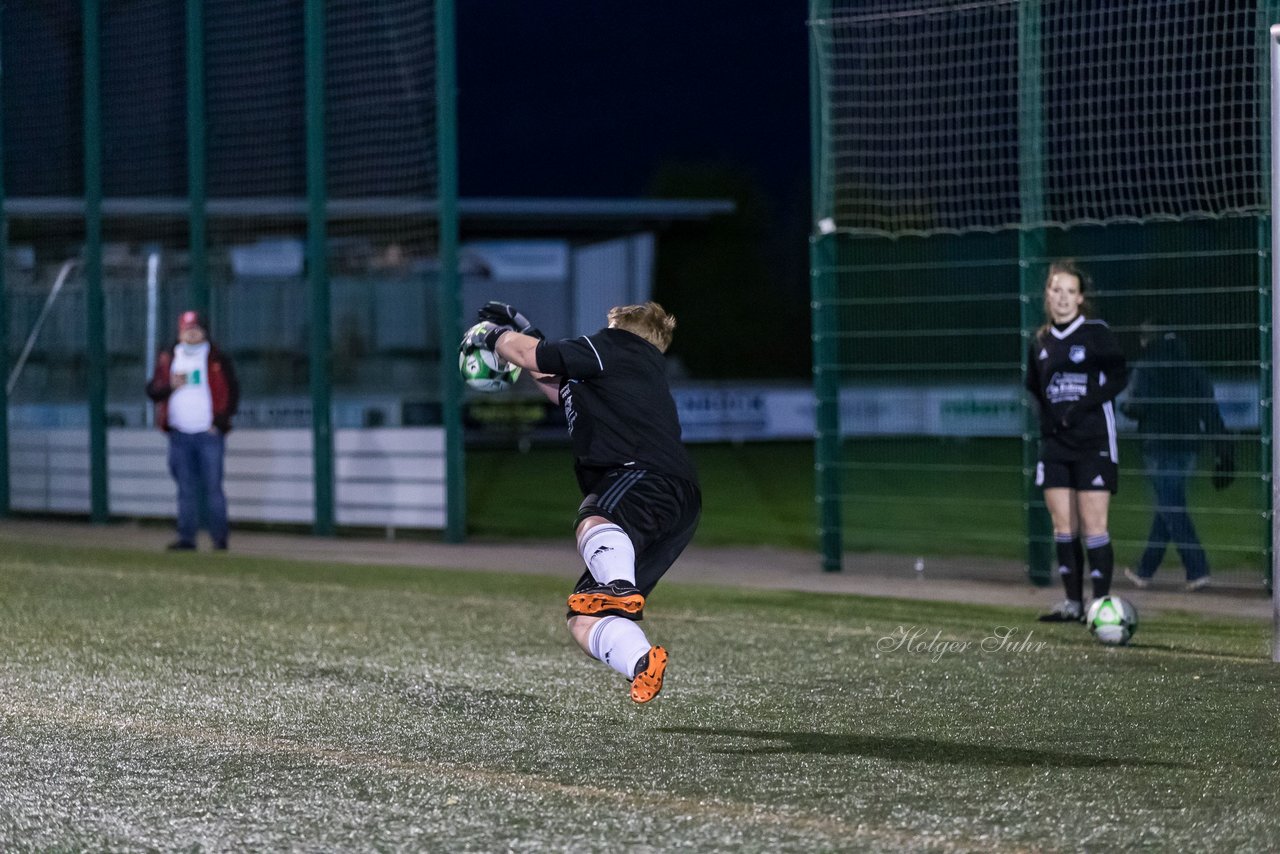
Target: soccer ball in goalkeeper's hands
<point>482,369</point>
<point>1112,620</point>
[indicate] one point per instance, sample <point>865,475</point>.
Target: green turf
<point>213,702</point>
<point>905,496</point>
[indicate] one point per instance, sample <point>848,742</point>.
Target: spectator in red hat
<point>196,393</point>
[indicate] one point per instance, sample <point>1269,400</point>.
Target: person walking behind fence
<point>641,502</point>
<point>1172,400</point>
<point>196,394</point>
<point>1075,369</point>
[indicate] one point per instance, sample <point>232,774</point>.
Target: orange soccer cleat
<point>648,679</point>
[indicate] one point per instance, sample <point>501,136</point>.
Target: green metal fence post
<point>448,308</point>
<point>824,286</point>
<point>96,345</point>
<point>1269,10</point>
<point>1265,399</point>
<point>318,269</point>
<point>1032,247</point>
<point>197,219</point>
<point>4,307</point>
<point>826,389</point>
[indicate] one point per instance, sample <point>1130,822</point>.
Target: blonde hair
<point>650,321</point>
<point>1068,267</point>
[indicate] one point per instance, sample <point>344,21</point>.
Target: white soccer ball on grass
<point>1112,620</point>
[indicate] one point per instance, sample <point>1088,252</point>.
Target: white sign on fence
<point>741,412</point>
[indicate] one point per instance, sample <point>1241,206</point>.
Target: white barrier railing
<point>392,477</point>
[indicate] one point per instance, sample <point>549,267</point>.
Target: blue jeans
<point>1168,471</point>
<point>195,461</point>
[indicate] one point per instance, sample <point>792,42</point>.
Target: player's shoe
<point>616,597</point>
<point>1141,582</point>
<point>1066,611</point>
<point>1198,583</point>
<point>649,671</point>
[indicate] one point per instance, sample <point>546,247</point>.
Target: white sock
<point>619,643</point>
<point>609,554</point>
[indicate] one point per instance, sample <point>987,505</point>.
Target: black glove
<point>1224,464</point>
<point>483,336</point>
<point>507,315</point>
<point>1070,417</point>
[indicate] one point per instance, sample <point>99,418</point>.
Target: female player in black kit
<point>641,501</point>
<point>1075,369</point>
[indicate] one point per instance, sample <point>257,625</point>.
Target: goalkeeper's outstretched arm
<point>520,349</point>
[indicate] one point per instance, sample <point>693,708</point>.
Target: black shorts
<point>659,513</point>
<point>1088,473</point>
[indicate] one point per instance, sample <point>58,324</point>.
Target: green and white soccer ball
<point>1112,620</point>
<point>483,370</point>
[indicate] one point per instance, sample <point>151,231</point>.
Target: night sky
<point>563,99</point>
<point>556,98</point>
<point>588,99</point>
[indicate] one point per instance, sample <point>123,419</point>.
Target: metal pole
<point>824,287</point>
<point>826,388</point>
<point>1274,352</point>
<point>448,308</point>
<point>16,371</point>
<point>96,346</point>
<point>318,270</point>
<point>4,306</point>
<point>149,348</point>
<point>197,221</point>
<point>1032,246</point>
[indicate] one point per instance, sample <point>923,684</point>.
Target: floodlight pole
<point>1275,339</point>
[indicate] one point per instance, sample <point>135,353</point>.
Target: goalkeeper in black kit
<point>1075,369</point>
<point>641,502</point>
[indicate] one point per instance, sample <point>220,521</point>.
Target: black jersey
<point>1075,372</point>
<point>613,387</point>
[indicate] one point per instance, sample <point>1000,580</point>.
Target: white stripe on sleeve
<point>599,361</point>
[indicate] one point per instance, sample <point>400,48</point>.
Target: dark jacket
<point>1172,398</point>
<point>224,389</point>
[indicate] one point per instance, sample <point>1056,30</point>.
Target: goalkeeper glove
<point>507,315</point>
<point>484,336</point>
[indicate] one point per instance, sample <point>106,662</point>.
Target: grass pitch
<point>214,702</point>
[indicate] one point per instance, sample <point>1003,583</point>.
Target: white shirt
<point>191,406</point>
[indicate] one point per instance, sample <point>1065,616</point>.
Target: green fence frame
<point>199,293</point>
<point>449,307</point>
<point>825,252</point>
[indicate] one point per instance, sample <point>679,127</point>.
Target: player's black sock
<point>1070,565</point>
<point>1101,563</point>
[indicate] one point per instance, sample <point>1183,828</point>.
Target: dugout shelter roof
<point>497,215</point>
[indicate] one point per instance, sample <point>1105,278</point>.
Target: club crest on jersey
<point>1076,354</point>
